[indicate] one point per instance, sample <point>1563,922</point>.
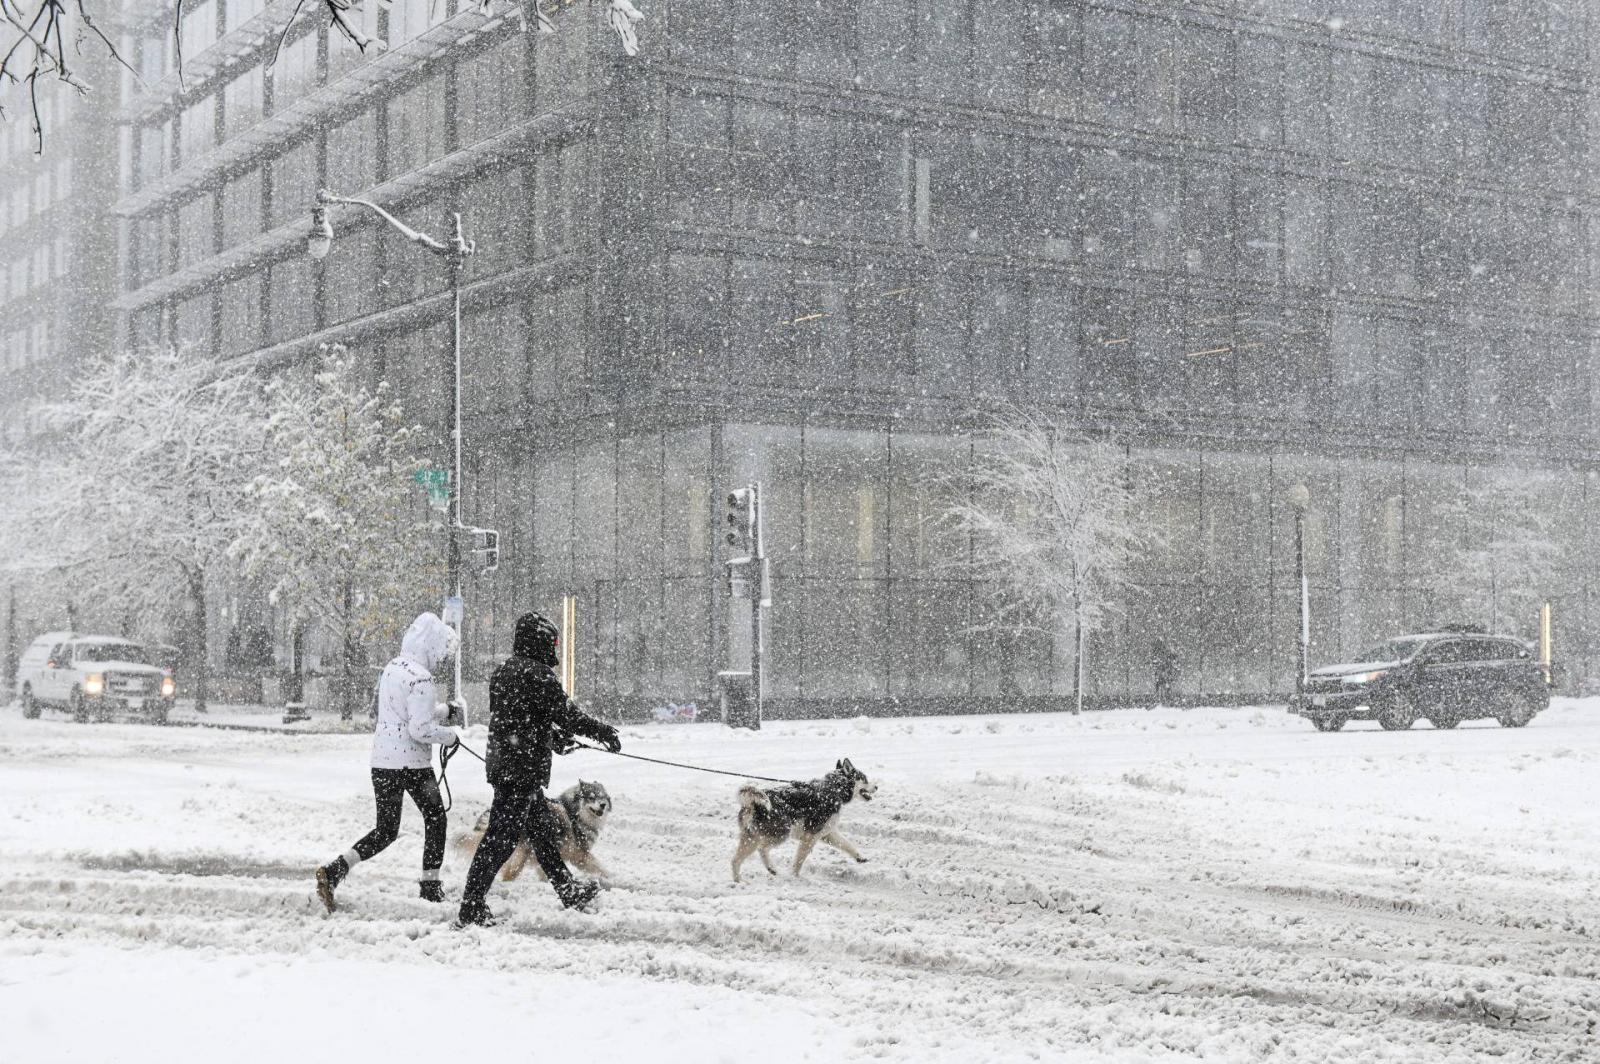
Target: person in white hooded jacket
<point>410,725</point>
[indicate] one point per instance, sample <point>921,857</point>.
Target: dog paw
<point>861,860</point>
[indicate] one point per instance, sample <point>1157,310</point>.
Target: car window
<point>62,655</point>
<point>1450,652</point>
<point>1393,650</point>
<point>112,652</point>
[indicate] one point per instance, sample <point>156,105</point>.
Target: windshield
<point>110,652</point>
<point>1393,650</point>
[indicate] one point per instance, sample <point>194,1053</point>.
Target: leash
<point>445,754</point>
<point>445,757</point>
<point>680,764</point>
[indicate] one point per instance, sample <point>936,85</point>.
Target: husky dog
<point>581,810</point>
<point>808,811</point>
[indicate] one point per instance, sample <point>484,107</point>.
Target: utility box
<point>738,693</point>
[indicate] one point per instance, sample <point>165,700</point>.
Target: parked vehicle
<point>92,676</point>
<point>1446,677</point>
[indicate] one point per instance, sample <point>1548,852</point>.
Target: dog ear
<point>839,765</point>
<point>847,766</point>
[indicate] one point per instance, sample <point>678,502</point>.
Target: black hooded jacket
<point>528,711</point>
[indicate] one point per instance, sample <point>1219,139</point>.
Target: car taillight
<point>168,687</point>
<point>94,684</point>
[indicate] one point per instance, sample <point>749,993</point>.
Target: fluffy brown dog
<point>581,810</point>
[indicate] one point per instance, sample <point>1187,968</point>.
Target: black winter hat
<point>536,638</point>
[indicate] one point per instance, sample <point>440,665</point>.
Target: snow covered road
<point>1225,885</point>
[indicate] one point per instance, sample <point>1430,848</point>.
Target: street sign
<point>437,484</point>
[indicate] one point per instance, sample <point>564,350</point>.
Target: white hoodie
<point>409,714</point>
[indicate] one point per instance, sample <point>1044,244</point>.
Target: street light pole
<point>453,515</point>
<point>318,243</point>
<point>1305,618</point>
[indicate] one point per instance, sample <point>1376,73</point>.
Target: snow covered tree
<point>340,531</point>
<point>27,557</point>
<point>1057,520</point>
<point>1504,558</point>
<point>154,456</point>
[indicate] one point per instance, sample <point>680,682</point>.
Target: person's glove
<point>454,744</point>
<point>562,743</point>
<point>607,737</point>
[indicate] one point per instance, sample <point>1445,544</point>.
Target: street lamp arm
<point>417,237</point>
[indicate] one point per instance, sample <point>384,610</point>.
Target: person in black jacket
<point>529,714</point>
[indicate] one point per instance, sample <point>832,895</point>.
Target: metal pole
<point>1305,597</point>
<point>453,513</point>
<point>317,245</point>
<point>758,592</point>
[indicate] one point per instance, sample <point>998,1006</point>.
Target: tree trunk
<point>11,634</point>
<point>1077,671</point>
<point>347,681</point>
<point>202,654</point>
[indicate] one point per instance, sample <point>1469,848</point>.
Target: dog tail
<point>751,797</point>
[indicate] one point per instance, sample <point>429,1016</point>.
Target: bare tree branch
<point>40,32</point>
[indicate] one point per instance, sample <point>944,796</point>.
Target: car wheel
<point>1329,724</point>
<point>1445,721</point>
<point>159,715</point>
<point>79,706</point>
<point>1514,710</point>
<point>1397,713</point>
<point>30,704</point>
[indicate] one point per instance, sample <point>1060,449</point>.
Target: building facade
<point>1269,246</point>
<point>58,244</point>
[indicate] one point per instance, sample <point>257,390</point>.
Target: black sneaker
<point>325,884</point>
<point>580,896</point>
<point>474,915</point>
<point>431,891</point>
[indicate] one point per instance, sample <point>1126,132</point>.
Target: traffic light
<point>742,523</point>
<point>484,545</point>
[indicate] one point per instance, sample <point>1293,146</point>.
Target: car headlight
<point>94,684</point>
<point>168,687</point>
<point>1366,677</point>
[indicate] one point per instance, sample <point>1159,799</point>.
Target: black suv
<point>1447,677</point>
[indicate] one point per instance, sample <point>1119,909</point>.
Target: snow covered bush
<point>340,531</point>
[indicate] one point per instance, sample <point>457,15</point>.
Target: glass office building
<point>1267,244</point>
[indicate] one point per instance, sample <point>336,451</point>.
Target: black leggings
<point>389,785</point>
<point>515,811</point>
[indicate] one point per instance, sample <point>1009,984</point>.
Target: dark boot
<point>431,890</point>
<point>580,896</point>
<point>328,879</point>
<point>474,914</point>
